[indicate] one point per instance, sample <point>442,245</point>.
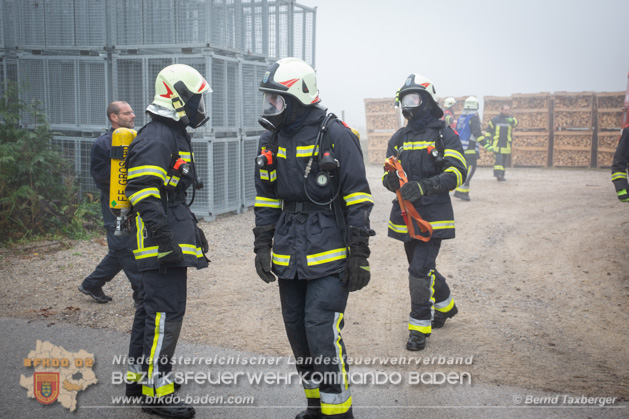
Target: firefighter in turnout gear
<point>469,128</point>
<point>499,135</point>
<point>160,171</point>
<point>430,164</point>
<point>312,209</point>
<point>620,165</point>
<point>448,113</point>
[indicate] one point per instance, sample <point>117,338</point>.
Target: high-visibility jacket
<point>469,130</point>
<point>499,133</point>
<point>418,164</point>
<point>449,118</point>
<point>621,163</point>
<point>150,159</point>
<point>307,242</point>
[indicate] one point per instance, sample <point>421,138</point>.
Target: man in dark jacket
<point>119,256</point>
<point>168,241</point>
<point>499,135</point>
<point>619,167</point>
<point>432,159</point>
<point>312,208</point>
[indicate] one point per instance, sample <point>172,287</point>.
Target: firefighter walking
<point>430,163</point>
<point>499,134</point>
<point>312,209</point>
<point>160,171</point>
<point>620,165</point>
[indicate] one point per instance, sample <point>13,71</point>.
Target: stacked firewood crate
<point>573,124</point>
<point>382,119</point>
<point>609,122</point>
<point>532,137</point>
<point>492,105</point>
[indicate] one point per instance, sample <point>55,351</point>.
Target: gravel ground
<point>538,271</point>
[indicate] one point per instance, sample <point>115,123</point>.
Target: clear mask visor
<point>272,104</point>
<point>411,100</point>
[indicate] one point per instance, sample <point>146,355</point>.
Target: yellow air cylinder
<point>120,140</point>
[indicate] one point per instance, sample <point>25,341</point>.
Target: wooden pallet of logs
<point>566,119</point>
<point>610,100</point>
<point>487,116</point>
<point>384,105</point>
<point>532,119</point>
<point>539,101</point>
<point>377,146</point>
<point>572,148</point>
<point>494,104</point>
<point>530,149</point>
<point>606,147</point>
<point>573,100</point>
<point>609,119</point>
<point>486,158</point>
<point>382,122</point>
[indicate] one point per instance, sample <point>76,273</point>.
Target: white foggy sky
<point>366,48</point>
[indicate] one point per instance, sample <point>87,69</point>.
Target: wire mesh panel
<point>254,25</point>
<point>201,204</point>
<point>249,153</point>
<point>59,23</point>
<point>278,30</point>
<point>159,28</point>
<point>90,23</point>
<point>126,18</point>
<point>62,83</point>
<point>32,23</point>
<point>303,33</point>
<point>10,22</point>
<point>226,176</point>
<point>219,94</point>
<point>223,24</point>
<point>129,85</point>
<point>192,23</point>
<point>93,88</point>
<point>2,74</point>
<point>31,77</point>
<point>252,74</point>
<point>82,170</point>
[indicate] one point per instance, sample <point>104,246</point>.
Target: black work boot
<point>440,318</point>
<point>166,407</point>
<point>310,413</point>
<point>96,293</point>
<point>416,341</point>
<point>465,196</point>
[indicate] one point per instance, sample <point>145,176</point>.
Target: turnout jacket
<point>621,163</point>
<point>499,133</point>
<point>307,242</point>
<point>150,158</point>
<point>448,117</point>
<point>418,164</point>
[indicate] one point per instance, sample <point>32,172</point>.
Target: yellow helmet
<point>179,92</point>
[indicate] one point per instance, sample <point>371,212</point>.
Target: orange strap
<point>392,164</point>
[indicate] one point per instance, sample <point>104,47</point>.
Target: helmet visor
<point>411,100</point>
<point>272,104</point>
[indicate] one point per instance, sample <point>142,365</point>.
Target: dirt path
<point>539,270</point>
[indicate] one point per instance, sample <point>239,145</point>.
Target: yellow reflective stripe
<point>398,228</point>
<point>326,257</point>
<point>336,409</point>
<point>340,349</point>
<point>264,174</point>
<point>441,225</point>
<point>173,181</point>
<point>619,175</point>
<point>357,198</point>
<point>145,252</point>
<point>138,171</point>
<point>422,326</point>
<point>446,305</point>
<point>185,155</point>
<point>139,227</point>
<point>282,260</point>
<point>144,193</point>
<point>455,154</point>
<point>312,393</point>
<point>281,152</point>
<point>148,391</point>
<point>165,390</point>
<point>499,168</point>
<point>273,176</point>
<point>267,202</point>
<point>157,343</point>
<point>417,145</point>
<point>457,172</point>
<point>188,249</point>
<point>306,151</point>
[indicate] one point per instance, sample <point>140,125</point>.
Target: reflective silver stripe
<point>267,202</point>
<point>146,252</point>
<point>281,152</point>
<point>398,228</point>
<point>325,257</point>
<point>306,151</point>
<point>417,145</point>
<point>441,225</point>
<point>136,172</point>
<point>618,175</point>
<point>335,398</point>
<point>157,349</point>
<point>185,155</point>
<point>282,260</point>
<point>309,384</point>
<point>444,303</point>
<point>144,193</point>
<point>457,173</point>
<point>357,198</point>
<point>418,323</point>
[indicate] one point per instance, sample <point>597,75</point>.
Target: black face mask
<point>195,111</point>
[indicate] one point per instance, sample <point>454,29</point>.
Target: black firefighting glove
<point>391,181</point>
<point>412,191</point>
<point>168,252</point>
<point>204,244</point>
<point>357,272</point>
<point>262,248</point>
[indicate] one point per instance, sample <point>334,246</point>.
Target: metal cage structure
<point>76,56</point>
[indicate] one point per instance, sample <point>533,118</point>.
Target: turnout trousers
<point>500,163</point>
<point>114,261</point>
<point>429,289</point>
<point>470,161</point>
<point>156,327</point>
<point>313,317</point>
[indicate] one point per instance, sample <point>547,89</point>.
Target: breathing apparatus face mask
<point>410,104</point>
<point>195,111</point>
<point>273,107</point>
